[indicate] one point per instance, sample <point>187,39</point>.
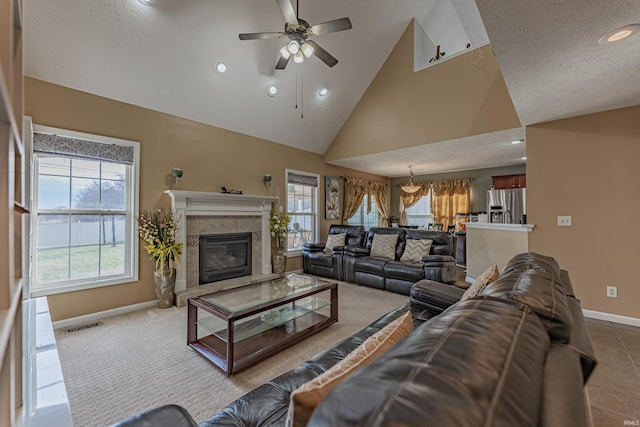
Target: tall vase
<point>165,283</point>
<point>279,261</point>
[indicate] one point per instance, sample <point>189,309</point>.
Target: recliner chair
<point>317,262</point>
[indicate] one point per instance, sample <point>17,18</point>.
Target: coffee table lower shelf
<point>250,351</point>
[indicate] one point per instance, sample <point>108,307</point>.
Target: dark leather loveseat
<point>516,355</point>
<point>354,263</point>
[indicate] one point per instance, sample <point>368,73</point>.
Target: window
<point>420,213</point>
<point>361,217</point>
<point>84,203</point>
<point>302,205</point>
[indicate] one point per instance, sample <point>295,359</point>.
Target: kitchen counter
<point>493,243</point>
<point>498,226</point>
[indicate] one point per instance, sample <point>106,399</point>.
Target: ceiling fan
<point>300,32</point>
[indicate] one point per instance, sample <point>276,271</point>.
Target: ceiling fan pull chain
<point>302,91</point>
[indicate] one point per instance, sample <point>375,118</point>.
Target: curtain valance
<point>50,144</point>
<point>300,179</point>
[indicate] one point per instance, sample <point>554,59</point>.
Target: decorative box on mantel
<point>185,204</point>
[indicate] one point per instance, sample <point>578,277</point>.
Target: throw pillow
<point>305,399</point>
<point>334,240</point>
<point>384,245</point>
<point>490,275</point>
<point>416,249</point>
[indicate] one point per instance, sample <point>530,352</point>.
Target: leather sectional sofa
<point>517,354</point>
<point>354,263</point>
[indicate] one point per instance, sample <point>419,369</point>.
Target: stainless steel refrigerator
<point>507,206</point>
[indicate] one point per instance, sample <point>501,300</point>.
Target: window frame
<point>315,207</point>
<point>131,212</point>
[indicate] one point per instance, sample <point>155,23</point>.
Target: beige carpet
<point>140,360</point>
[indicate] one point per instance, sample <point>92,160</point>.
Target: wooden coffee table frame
<point>234,357</point>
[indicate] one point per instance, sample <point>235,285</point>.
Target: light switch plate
<point>564,221</point>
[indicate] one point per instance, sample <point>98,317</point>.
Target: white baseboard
<point>103,314</point>
<point>615,318</point>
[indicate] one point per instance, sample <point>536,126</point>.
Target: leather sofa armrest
<point>314,247</point>
<point>356,251</point>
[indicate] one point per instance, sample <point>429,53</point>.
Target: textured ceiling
<point>162,57</point>
<point>551,60</point>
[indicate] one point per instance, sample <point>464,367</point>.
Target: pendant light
<point>410,187</point>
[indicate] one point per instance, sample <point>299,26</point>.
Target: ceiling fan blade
<point>341,24</point>
<point>261,36</point>
<point>322,54</point>
<point>287,11</point>
<point>282,62</point>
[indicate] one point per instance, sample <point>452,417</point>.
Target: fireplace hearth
<point>224,256</point>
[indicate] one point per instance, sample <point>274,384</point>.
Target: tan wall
<point>587,167</point>
<point>488,247</point>
<point>459,97</point>
<point>210,157</point>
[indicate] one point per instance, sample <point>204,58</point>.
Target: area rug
<point>140,360</point>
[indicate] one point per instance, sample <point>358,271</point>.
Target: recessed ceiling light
<point>517,141</point>
<point>221,67</point>
<point>619,34</point>
<point>145,2</point>
<point>272,90</point>
<point>323,91</point>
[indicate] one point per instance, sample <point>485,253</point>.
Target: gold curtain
<point>377,190</point>
<point>354,192</point>
<point>409,199</point>
<point>449,198</point>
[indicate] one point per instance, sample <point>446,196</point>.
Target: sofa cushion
<point>402,270</point>
<point>415,250</point>
<point>321,258</point>
<point>370,265</point>
<point>488,276</point>
<point>334,240</point>
<point>384,246</point>
<point>305,399</point>
<point>543,292</point>
<point>442,241</point>
<point>429,377</point>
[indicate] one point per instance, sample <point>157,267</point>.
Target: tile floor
<point>614,386</point>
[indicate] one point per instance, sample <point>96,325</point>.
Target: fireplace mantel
<point>200,203</point>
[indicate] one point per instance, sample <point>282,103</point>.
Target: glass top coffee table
<point>239,327</point>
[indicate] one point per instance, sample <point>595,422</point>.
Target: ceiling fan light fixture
<point>298,57</point>
<point>293,47</point>
<point>285,52</point>
<point>307,49</point>
<point>410,187</point>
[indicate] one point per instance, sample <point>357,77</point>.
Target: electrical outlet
<point>612,291</point>
<point>564,221</point>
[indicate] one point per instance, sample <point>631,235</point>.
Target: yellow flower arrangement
<point>279,226</point>
<point>158,229</point>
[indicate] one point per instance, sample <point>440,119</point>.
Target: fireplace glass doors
<point>224,256</point>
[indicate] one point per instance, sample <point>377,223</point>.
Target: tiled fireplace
<point>203,213</point>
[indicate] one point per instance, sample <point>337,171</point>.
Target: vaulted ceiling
<point>162,56</point>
